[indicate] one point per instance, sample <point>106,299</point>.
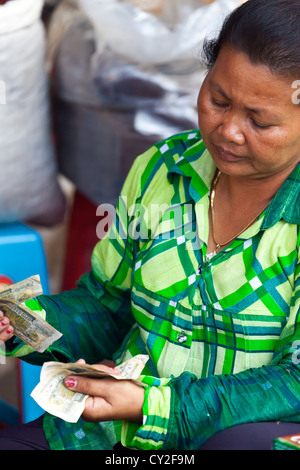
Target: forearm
<point>92,326</point>
<point>186,411</point>
<point>209,405</point>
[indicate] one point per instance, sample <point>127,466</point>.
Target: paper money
<point>52,395</point>
<point>129,370</point>
<point>24,290</point>
<point>28,326</point>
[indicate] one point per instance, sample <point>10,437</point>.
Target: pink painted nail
<point>70,383</point>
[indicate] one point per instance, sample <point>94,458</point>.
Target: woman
<point>210,290</point>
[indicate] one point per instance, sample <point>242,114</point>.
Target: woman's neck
<point>242,190</point>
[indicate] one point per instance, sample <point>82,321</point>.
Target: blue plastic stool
<point>22,255</point>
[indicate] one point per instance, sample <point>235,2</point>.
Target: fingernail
<point>3,323</point>
<point>8,332</point>
<point>70,383</point>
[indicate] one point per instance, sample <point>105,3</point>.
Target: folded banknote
<point>28,325</point>
<point>52,395</point>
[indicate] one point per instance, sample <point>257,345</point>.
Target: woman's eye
<point>218,103</point>
<point>260,125</point>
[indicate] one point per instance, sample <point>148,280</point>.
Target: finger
<point>80,361</point>
<point>3,318</point>
<point>6,332</point>
<point>3,286</point>
<point>4,321</point>
<point>87,386</point>
<point>97,409</point>
<point>106,368</point>
<point>108,362</point>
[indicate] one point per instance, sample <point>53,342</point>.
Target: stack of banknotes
<point>52,395</point>
<point>28,325</point>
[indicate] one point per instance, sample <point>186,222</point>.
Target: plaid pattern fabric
<point>222,335</point>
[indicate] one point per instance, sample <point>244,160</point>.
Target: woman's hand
<point>6,330</point>
<point>109,399</point>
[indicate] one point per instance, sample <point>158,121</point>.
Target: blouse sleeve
<point>95,316</point>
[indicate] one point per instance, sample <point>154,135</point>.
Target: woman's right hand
<point>6,329</point>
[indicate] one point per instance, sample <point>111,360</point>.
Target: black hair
<point>268,31</point>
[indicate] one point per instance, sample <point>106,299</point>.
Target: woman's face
<point>247,118</point>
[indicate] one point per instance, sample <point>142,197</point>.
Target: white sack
<point>28,178</point>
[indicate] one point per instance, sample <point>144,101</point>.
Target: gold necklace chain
<point>212,197</point>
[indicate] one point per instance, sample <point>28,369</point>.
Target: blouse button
<point>182,338</point>
<point>199,270</point>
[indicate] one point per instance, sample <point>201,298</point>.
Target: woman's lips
<point>228,156</point>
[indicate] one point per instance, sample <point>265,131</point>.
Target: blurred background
<point>85,87</point>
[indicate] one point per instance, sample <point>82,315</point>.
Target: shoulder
<point>148,176</point>
<point>162,156</point>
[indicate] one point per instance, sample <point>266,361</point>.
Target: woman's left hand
<point>109,399</point>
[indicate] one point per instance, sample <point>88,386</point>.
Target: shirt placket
<point>200,292</point>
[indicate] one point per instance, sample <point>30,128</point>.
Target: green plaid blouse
<point>222,335</point>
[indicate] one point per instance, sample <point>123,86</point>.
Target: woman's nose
<point>231,130</point>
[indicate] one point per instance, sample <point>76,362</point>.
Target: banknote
<point>51,394</point>
<point>28,325</point>
<point>24,290</point>
<point>130,369</point>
